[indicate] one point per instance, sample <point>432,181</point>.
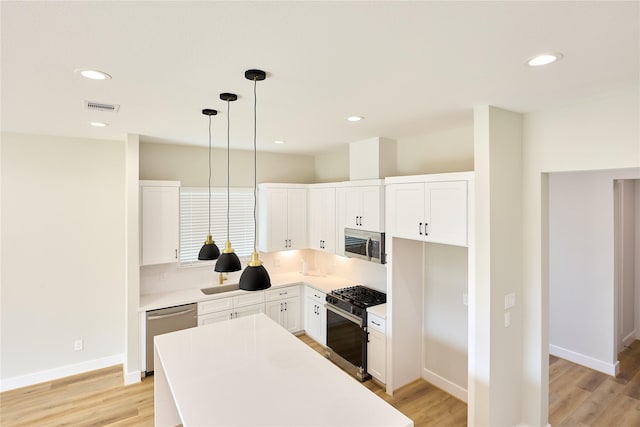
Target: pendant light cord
<point>209,175</point>
<point>255,165</point>
<point>228,168</point>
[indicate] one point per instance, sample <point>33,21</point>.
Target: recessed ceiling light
<point>94,74</point>
<point>543,59</point>
<point>278,142</point>
<point>354,118</point>
<point>98,124</point>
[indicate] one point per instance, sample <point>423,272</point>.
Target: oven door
<point>347,341</point>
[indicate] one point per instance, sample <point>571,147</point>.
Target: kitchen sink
<point>221,288</point>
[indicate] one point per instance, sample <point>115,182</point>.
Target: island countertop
<point>252,372</point>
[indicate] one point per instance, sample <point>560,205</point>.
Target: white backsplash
<point>170,277</point>
<point>362,272</point>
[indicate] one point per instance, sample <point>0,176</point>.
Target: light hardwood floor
<point>578,397</point>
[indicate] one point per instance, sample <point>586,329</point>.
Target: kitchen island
<point>252,372</point>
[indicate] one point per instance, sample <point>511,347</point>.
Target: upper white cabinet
<point>282,217</point>
<point>435,210</point>
<point>159,213</point>
<point>322,218</point>
<point>364,207</point>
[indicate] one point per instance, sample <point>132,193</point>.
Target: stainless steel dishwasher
<point>165,320</point>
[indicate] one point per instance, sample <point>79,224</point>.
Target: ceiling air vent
<point>100,106</point>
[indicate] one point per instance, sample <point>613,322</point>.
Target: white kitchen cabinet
<point>428,211</point>
<point>315,315</point>
<point>364,207</point>
<point>282,217</point>
<point>220,309</point>
<point>159,217</point>
<point>283,306</point>
<point>322,219</point>
<point>376,347</point>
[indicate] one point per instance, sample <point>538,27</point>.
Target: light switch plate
<point>509,301</point>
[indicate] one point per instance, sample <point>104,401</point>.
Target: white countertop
<point>252,372</point>
<point>379,310</point>
<point>168,299</point>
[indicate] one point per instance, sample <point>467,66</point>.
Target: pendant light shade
<point>228,260</point>
<point>255,277</point>
<point>209,250</point>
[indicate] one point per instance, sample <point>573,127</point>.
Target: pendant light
<point>228,260</point>
<point>209,250</point>
<point>255,276</point>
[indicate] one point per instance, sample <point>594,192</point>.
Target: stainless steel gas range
<point>347,334</point>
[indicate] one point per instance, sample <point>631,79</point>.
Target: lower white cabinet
<point>218,310</point>
<point>377,347</point>
<point>283,306</point>
<point>315,315</point>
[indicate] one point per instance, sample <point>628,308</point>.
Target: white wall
<point>598,133</point>
<point>637,261</point>
<point>444,342</point>
<point>582,316</point>
<point>495,350</point>
<point>63,241</point>
<point>189,165</point>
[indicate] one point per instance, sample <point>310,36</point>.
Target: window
<point>194,225</point>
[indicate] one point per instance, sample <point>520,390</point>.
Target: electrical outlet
<point>507,319</point>
<point>78,345</point>
<point>465,298</point>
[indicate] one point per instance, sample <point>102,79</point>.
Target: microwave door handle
<point>368,248</point>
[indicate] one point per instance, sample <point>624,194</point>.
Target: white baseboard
<point>629,338</point>
<point>588,361</point>
<point>444,384</point>
<point>61,372</point>
<point>132,377</point>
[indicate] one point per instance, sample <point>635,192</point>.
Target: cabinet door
<point>405,210</point>
<point>322,219</point>
<point>248,310</point>
<point>273,219</point>
<point>376,355</point>
<point>160,225</point>
<point>275,310</point>
<point>297,218</point>
<point>216,317</point>
<point>311,320</point>
<point>292,319</point>
<point>446,212</point>
<point>315,218</point>
<point>352,207</point>
<point>371,216</point>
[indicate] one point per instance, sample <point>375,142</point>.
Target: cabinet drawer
<point>376,323</point>
<point>314,294</point>
<point>281,293</point>
<point>215,305</point>
<point>248,299</point>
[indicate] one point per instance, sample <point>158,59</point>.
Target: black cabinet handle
<point>420,228</point>
<point>426,224</point>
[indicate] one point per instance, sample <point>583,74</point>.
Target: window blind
<point>194,223</point>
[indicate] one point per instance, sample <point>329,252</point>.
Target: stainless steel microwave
<point>366,245</point>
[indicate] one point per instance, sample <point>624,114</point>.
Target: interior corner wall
<point>637,260</point>
<point>582,317</point>
<point>62,249</point>
<point>444,150</point>
<point>189,165</point>
<point>332,165</point>
<point>597,133</point>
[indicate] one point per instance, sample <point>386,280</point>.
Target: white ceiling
<point>407,67</point>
